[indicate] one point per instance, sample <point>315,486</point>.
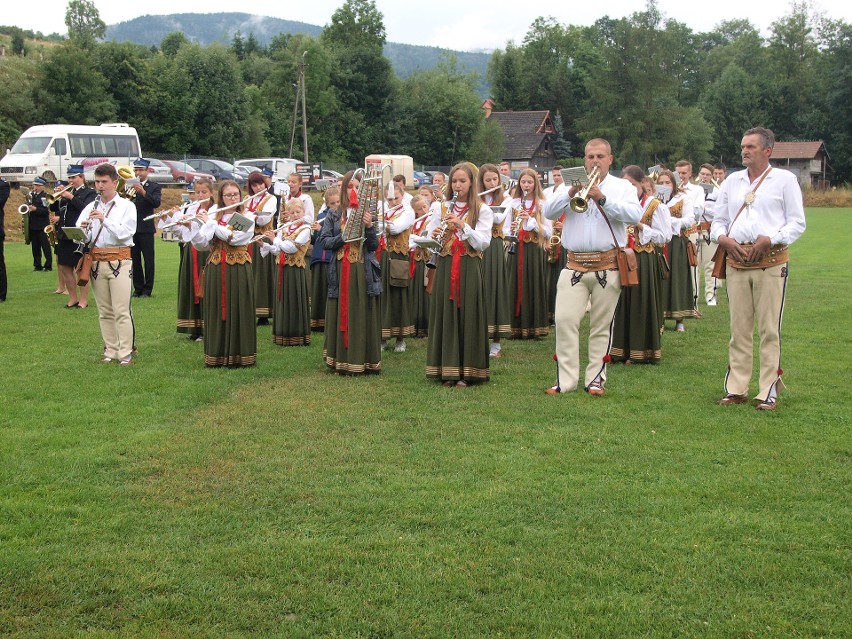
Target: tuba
<point>125,173</point>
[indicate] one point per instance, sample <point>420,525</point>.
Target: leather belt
<point>594,261</point>
<point>111,254</point>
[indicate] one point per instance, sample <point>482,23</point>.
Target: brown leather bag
<point>691,254</point>
<point>628,267</point>
<point>720,263</point>
<point>84,269</point>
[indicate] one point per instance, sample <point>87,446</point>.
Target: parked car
<point>245,170</point>
<point>421,179</point>
<point>182,172</point>
<point>159,172</point>
<point>219,169</point>
<point>333,177</point>
<point>280,167</point>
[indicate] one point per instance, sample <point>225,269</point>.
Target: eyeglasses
<point>233,195</point>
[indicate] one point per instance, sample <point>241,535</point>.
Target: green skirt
<point>458,334</point>
<point>189,313</point>
<point>396,316</point>
<point>319,294</point>
<point>678,298</point>
<point>554,270</point>
<point>363,354</point>
<point>530,320</point>
<point>290,320</point>
<point>497,297</point>
<point>231,341</point>
<point>418,300</point>
<point>636,331</point>
<point>265,274</point>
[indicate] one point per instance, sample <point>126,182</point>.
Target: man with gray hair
<point>759,213</point>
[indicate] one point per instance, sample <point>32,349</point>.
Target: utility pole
<point>300,90</point>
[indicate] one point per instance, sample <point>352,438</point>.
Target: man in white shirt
<point>109,224</point>
<point>759,213</point>
<point>696,195</point>
<point>556,182</point>
<point>706,246</point>
<point>591,274</point>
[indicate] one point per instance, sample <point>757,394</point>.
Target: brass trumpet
<point>50,198</point>
<point>580,202</point>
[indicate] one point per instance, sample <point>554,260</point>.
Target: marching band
<point>465,264</point>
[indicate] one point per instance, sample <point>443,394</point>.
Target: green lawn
<point>169,500</point>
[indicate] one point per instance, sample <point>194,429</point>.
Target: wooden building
<point>527,136</point>
<point>808,160</point>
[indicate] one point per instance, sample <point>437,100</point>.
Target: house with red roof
<point>808,160</point>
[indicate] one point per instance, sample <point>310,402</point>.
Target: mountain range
<point>206,28</point>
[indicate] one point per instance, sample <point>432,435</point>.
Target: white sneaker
<point>399,348</point>
<point>680,327</point>
<point>711,301</point>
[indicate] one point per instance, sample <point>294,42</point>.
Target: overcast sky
<point>450,24</point>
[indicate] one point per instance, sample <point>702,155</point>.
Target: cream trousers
<point>756,296</point>
<point>112,283</point>
<point>573,293</point>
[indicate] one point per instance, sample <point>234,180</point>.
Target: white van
<point>47,150</point>
<point>280,167</point>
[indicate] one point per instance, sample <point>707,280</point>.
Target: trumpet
<point>125,173</point>
<point>580,202</point>
<point>50,198</point>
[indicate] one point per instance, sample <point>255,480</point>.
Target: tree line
<point>656,89</point>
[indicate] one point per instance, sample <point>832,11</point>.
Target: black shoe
<point>48,268</point>
<point>263,321</point>
<point>144,295</point>
<point>37,268</point>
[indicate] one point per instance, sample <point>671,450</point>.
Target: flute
<point>173,210</point>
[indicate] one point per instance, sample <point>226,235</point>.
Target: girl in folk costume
<point>526,263</point>
<point>678,300</point>
<point>418,298</point>
<point>262,206</point>
<point>230,337</point>
<point>192,261</point>
<point>352,318</point>
<point>457,352</point>
<point>636,331</point>
<point>393,255</point>
<point>290,319</point>
<point>494,273</point>
<point>294,181</point>
<point>320,259</point>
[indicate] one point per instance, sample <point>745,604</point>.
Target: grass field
<point>168,500</point>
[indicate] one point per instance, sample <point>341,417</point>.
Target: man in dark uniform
<point>147,198</point>
<point>4,195</point>
<point>67,208</point>
<point>38,221</point>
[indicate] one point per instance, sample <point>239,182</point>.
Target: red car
<point>182,172</point>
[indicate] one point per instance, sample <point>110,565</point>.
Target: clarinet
<point>433,260</point>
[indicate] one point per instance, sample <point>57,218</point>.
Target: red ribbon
<point>195,290</point>
<point>223,284</point>
<point>412,264</point>
<point>455,271</point>
<point>521,235</point>
<point>222,262</point>
<point>280,274</point>
<point>344,296</point>
<point>382,245</point>
<point>353,198</point>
